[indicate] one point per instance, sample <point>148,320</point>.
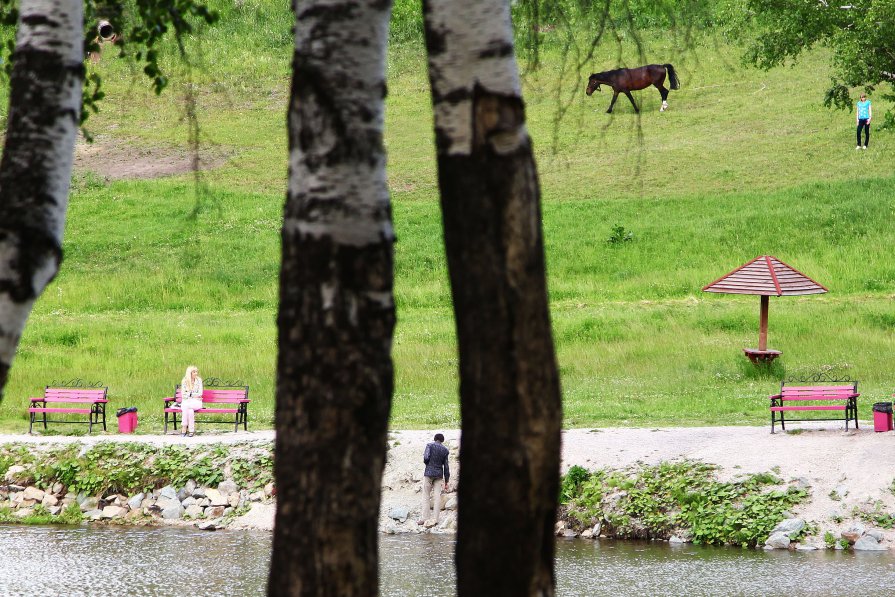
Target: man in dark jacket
<point>437,476</point>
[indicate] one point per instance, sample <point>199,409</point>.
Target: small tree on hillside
<point>860,33</point>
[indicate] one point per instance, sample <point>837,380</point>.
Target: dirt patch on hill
<point>118,160</point>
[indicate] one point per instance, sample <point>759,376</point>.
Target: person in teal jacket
<point>865,113</point>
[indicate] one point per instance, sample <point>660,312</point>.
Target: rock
<point>233,500</point>
<point>228,510</point>
<point>33,493</point>
<point>188,501</point>
<point>569,534</point>
<point>834,515</point>
<point>598,528</point>
<point>54,510</point>
<point>136,501</point>
<point>858,528</point>
<point>182,494</point>
<point>22,513</point>
<point>190,487</point>
<point>399,513</point>
<point>258,496</point>
<point>173,511</point>
<point>876,534</point>
<point>13,487</point>
<point>805,547</point>
<point>13,472</point>
<point>49,500</point>
<point>587,534</point>
<point>269,490</point>
<point>214,511</point>
<point>199,493</point>
<point>260,517</point>
<point>164,502</point>
<point>790,527</point>
<point>207,525</point>
<point>203,502</point>
<point>451,503</point>
<point>148,502</point>
<point>802,483</point>
<point>675,540</point>
<point>27,504</point>
<point>227,487</point>
<point>868,543</point>
<point>168,492</point>
<point>215,498</point>
<point>777,541</point>
<point>193,511</point>
<point>94,514</point>
<point>430,523</point>
<point>113,511</point>
<point>243,498</point>
<point>58,488</point>
<point>560,525</point>
<point>89,504</point>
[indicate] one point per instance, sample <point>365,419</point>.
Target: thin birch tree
<point>336,318</point>
<point>509,383</point>
<point>35,171</point>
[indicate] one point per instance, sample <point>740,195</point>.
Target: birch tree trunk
<point>509,385</point>
<point>35,171</point>
<point>334,370</point>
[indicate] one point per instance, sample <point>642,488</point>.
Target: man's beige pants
<point>428,484</point>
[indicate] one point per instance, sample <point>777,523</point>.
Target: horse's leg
<point>630,97</point>
<point>612,103</point>
<point>664,93</point>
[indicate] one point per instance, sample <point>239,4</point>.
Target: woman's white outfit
<point>191,401</point>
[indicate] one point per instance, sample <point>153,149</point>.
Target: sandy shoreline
<point>844,469</point>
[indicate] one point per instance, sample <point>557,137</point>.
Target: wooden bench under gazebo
<point>765,276</point>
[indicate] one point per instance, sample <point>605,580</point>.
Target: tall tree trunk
<point>334,370</point>
<point>509,385</point>
<point>35,171</point>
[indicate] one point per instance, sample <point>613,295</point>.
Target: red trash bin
<point>127,420</point>
<point>882,417</point>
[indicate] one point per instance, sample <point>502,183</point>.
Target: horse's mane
<point>609,73</point>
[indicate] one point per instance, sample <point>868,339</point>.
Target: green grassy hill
<point>160,273</point>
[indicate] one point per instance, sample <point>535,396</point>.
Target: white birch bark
<point>35,171</point>
<point>470,44</point>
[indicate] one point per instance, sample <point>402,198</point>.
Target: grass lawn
<point>161,273</point>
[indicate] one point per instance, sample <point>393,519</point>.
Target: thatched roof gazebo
<point>765,276</point>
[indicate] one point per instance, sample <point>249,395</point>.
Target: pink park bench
<point>830,398</point>
<point>65,401</point>
<point>217,400</point>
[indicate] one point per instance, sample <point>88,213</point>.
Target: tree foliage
<point>140,25</point>
<point>860,33</point>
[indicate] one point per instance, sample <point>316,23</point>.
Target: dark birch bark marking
<point>336,319</point>
<point>35,170</point>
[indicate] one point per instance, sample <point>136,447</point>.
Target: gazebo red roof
<point>765,275</point>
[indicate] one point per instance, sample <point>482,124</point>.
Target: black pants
<point>864,124</point>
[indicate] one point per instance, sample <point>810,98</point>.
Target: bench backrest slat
<point>63,393</point>
<point>818,392</point>
<point>211,395</point>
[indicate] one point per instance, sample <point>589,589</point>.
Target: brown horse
<point>626,80</point>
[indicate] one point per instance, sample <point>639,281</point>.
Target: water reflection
<point>166,561</point>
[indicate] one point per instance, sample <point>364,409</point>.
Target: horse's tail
<point>672,77</point>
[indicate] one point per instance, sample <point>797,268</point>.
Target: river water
<point>167,561</point>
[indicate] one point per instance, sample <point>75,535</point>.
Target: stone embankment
<point>207,508</point>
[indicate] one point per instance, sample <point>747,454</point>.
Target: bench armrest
<point>169,399</point>
<point>776,396</point>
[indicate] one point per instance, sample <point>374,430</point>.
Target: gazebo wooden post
<point>763,323</point>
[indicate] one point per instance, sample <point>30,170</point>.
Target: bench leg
<point>45,420</point>
<point>31,424</point>
<point>773,420</point>
<point>166,423</point>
